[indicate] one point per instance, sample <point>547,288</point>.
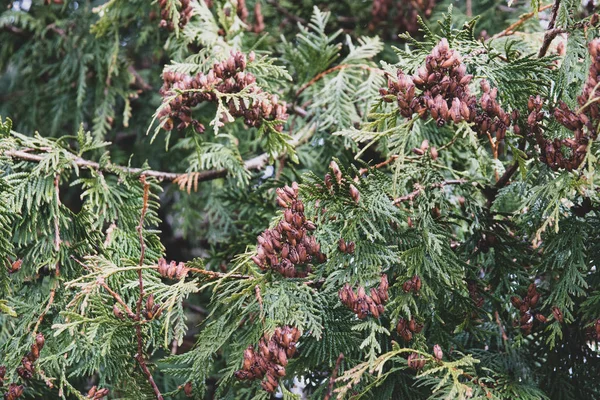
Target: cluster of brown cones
<point>445,96</point>
<point>363,304</point>
<point>337,173</point>
<point>15,266</point>
<point>271,357</point>
<point>406,328</point>
<point>183,92</point>
<point>27,369</point>
<point>287,248</point>
<point>526,308</point>
<point>14,392</point>
<point>96,394</point>
<point>412,285</point>
<point>583,121</point>
<point>185,13</point>
<point>172,270</point>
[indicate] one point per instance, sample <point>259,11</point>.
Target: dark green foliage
<point>95,192</point>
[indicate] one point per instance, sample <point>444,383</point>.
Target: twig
<point>138,328</point>
<point>551,32</point>
<point>504,337</point>
<point>118,298</point>
<point>525,17</point>
<point>43,314</point>
<point>285,12</point>
<point>512,169</point>
<point>333,69</point>
<point>380,165</point>
<point>217,275</point>
<point>141,82</point>
<point>195,308</point>
<point>202,176</point>
<point>419,189</point>
<point>333,376</point>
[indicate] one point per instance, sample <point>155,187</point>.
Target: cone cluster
<point>26,370</point>
<point>416,361</point>
<point>287,248</point>
<point>583,124</point>
<point>172,270</point>
<point>15,266</point>
<point>412,285</point>
<point>337,173</point>
<point>443,83</point>
<point>406,328</point>
<point>270,358</point>
<point>527,311</point>
<point>152,310</point>
<point>346,247</point>
<point>185,13</point>
<point>363,304</point>
<point>226,77</point>
<point>96,394</point>
<point>14,392</point>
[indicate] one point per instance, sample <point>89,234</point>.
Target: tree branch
<point>525,17</point>
<point>419,189</point>
<point>551,32</point>
<point>333,69</point>
<point>285,12</point>
<point>201,176</point>
<point>138,328</point>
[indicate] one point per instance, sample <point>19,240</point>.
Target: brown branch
<point>525,17</point>
<point>333,69</point>
<point>218,275</point>
<point>118,298</point>
<point>551,32</point>
<point>504,337</point>
<point>419,189</point>
<point>380,165</point>
<point>285,12</point>
<point>195,308</point>
<point>333,377</point>
<point>512,169</point>
<point>138,328</point>
<point>548,38</point>
<point>138,80</point>
<point>254,163</point>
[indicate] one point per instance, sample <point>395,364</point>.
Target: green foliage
<point>92,203</point>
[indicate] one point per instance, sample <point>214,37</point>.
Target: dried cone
<point>270,359</point>
<point>288,248</point>
<point>181,93</point>
<point>14,392</point>
<point>363,304</point>
<point>416,361</point>
<point>437,352</point>
<point>187,389</point>
<point>172,270</point>
<point>15,266</point>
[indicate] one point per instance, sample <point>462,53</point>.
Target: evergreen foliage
<point>255,199</point>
